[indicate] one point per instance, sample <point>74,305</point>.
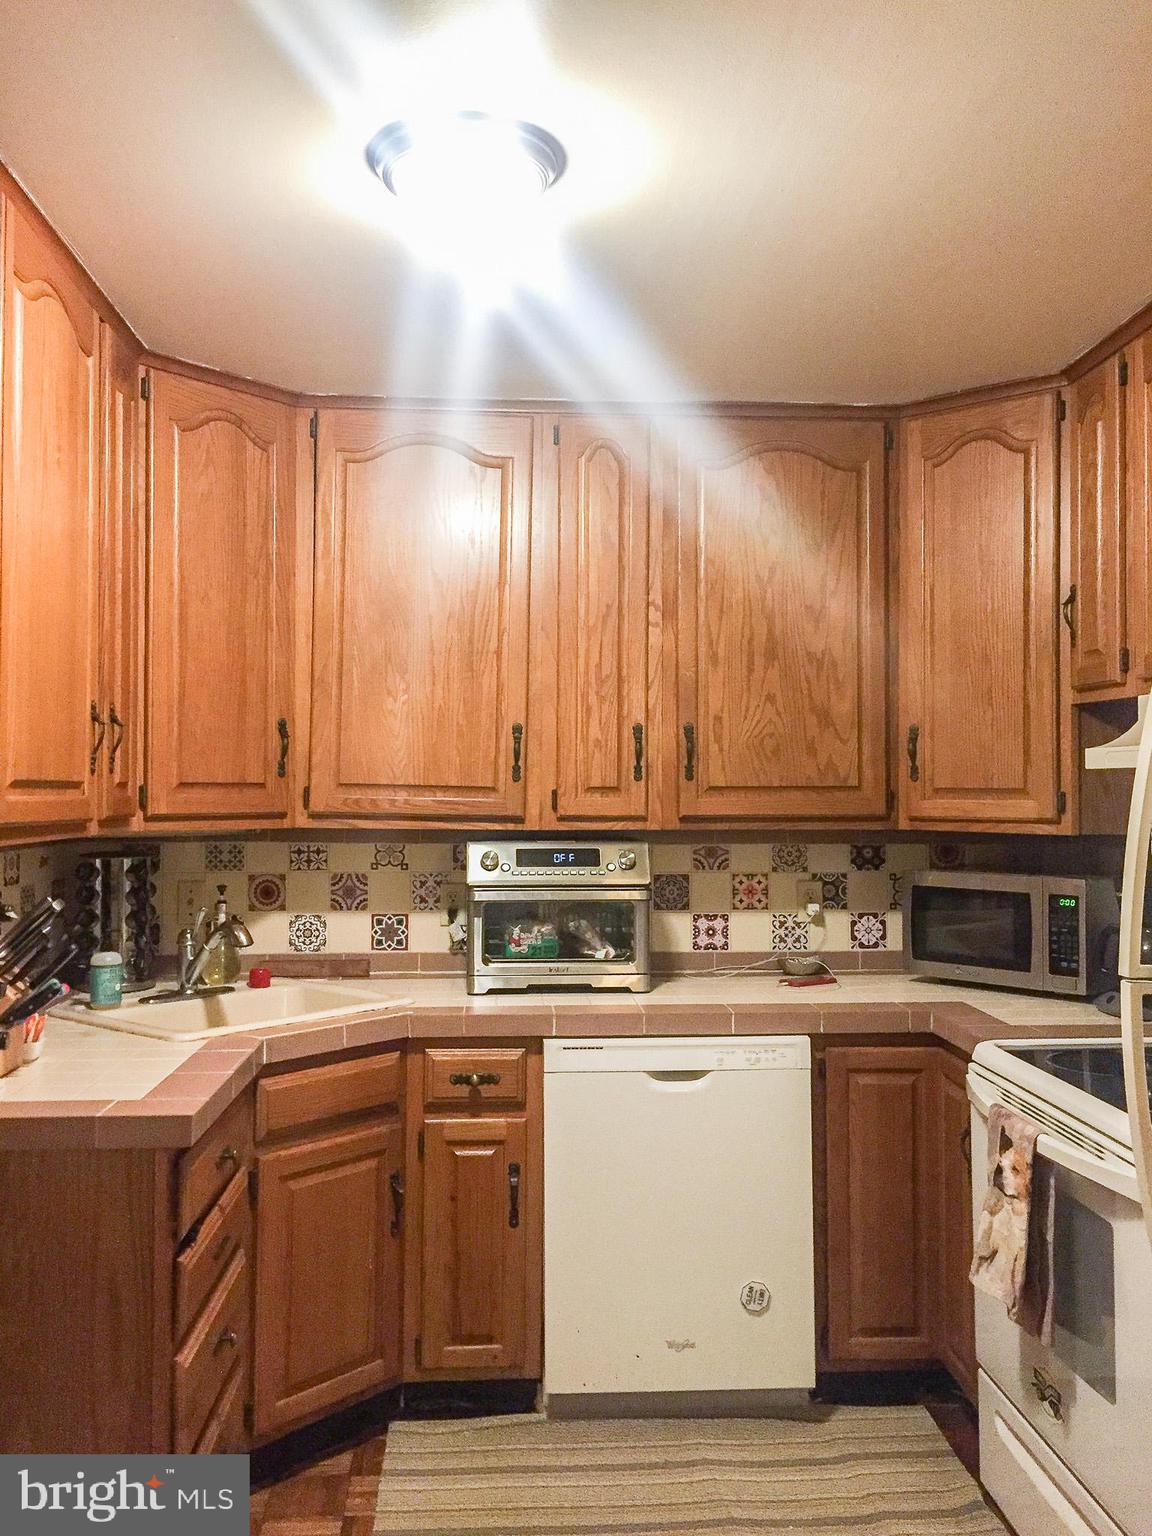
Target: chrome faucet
<point>192,957</point>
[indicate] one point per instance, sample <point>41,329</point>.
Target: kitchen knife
<point>40,970</point>
<point>34,1002</point>
<point>50,907</point>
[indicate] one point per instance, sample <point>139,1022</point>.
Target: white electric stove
<point>1064,1446</point>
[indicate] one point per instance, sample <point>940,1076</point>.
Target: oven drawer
<point>1035,1491</point>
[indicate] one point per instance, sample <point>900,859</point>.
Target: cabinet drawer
<point>208,1167</point>
<point>447,1071</point>
<point>298,1099</point>
<point>218,1339</point>
<point>225,1430</point>
<point>223,1231</point>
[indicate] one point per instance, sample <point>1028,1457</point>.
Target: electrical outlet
<point>189,900</point>
<point>452,899</point>
<point>811,891</point>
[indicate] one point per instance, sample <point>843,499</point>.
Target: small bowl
<point>801,965</point>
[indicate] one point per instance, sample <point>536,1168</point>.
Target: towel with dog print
<point>1012,1258</point>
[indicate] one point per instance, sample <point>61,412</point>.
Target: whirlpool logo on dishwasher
<point>60,1495</point>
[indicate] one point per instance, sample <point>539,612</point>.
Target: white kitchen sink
<point>227,1013</point>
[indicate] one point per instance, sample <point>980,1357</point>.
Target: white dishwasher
<point>677,1216</point>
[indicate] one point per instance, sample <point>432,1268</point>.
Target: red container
<point>259,976</point>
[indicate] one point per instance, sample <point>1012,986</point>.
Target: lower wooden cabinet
<point>328,1307</point>
<point>899,1210</point>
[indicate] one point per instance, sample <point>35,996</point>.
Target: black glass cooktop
<point>1096,1069</point>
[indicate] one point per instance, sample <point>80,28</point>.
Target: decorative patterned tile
<point>427,892</point>
<point>790,934</point>
<point>946,856</point>
<point>867,855</point>
<point>266,893</point>
<point>833,890</point>
<point>348,892</point>
<point>896,898</point>
<point>789,858</point>
<point>390,856</point>
<point>869,930</point>
<point>709,930</point>
<point>670,893</point>
<point>307,933</point>
<point>459,856</point>
<point>710,856</point>
<point>11,869</point>
<point>390,930</point>
<point>223,858</point>
<point>308,856</point>
<point>750,893</point>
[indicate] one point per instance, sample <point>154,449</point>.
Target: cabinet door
<point>1094,430</point>
<point>956,1312</point>
<point>220,590</point>
<point>978,596</point>
<point>601,620</point>
<point>882,1200</point>
<point>120,585</point>
<point>1139,511</point>
<point>420,645</point>
<point>48,534</point>
<point>475,1223</point>
<point>328,1315</point>
<point>781,627</point>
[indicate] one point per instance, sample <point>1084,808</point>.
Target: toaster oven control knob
<point>489,859</point>
<point>626,859</point>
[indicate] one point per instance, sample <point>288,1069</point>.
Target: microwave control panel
<point>1063,935</point>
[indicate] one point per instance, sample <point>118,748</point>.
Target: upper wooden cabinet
<point>49,443</point>
<point>420,624</point>
<point>1094,468</point>
<point>1139,512</point>
<point>121,590</point>
<point>781,619</point>
<point>603,541</point>
<point>979,728</point>
<point>220,593</point>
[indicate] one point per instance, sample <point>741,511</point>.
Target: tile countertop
<point>100,1088</point>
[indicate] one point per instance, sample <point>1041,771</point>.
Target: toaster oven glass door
<point>579,931</point>
<point>982,929</point>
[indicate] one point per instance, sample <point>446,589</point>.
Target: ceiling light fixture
<point>468,159</point>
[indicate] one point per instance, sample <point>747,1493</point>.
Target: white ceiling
<point>834,200</point>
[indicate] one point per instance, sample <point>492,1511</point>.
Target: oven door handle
<point>1111,1174</point>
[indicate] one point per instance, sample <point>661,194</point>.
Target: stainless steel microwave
<point>1043,933</point>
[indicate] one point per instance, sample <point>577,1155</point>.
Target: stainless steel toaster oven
<point>558,914</point>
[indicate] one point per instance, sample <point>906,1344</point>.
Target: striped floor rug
<point>825,1472</point>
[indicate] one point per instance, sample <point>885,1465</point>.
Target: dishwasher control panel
<point>680,1053</point>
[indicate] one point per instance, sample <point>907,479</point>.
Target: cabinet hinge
<point>145,387</point>
<point>420,1144</point>
<point>555,801</point>
<point>307,796</point>
<point>1125,659</point>
<point>142,797</point>
<point>556,435</point>
<point>253,1184</point>
<point>1061,802</point>
<point>314,425</point>
<point>1061,409</point>
<point>821,1068</point>
<point>1123,372</point>
<point>889,438</point>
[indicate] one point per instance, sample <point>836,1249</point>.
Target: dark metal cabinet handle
<point>117,741</point>
<point>689,752</point>
<point>474,1079</point>
<point>228,1155</point>
<point>396,1184</point>
<point>513,1194</point>
<point>517,750</point>
<point>638,752</point>
<point>99,727</point>
<point>966,1144</point>
<point>913,752</point>
<point>1068,611</point>
<point>282,761</point>
<point>226,1339</point>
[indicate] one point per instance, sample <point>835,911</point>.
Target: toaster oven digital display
<point>557,858</point>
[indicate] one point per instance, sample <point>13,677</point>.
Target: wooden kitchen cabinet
<point>221,576</point>
<point>420,618</point>
<point>601,613</point>
<point>980,738</point>
<point>780,620</point>
<point>473,1296</point>
<point>1094,606</point>
<point>881,1160</point>
<point>955,1310</point>
<point>49,531</point>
